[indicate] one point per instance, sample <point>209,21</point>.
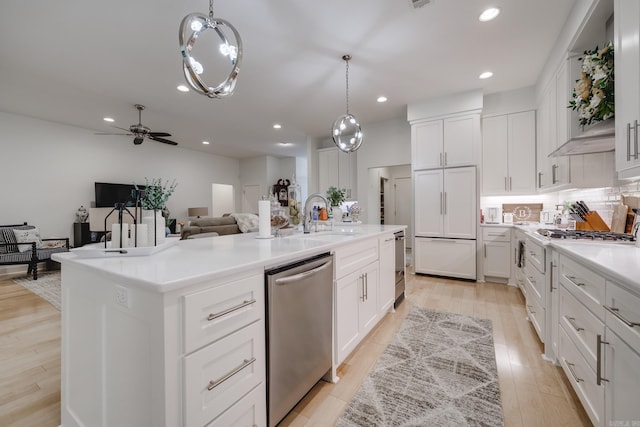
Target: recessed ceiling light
<point>285,144</point>
<point>205,142</point>
<point>183,88</point>
<point>277,126</point>
<point>489,14</point>
<point>382,99</point>
<point>108,119</point>
<point>485,75</point>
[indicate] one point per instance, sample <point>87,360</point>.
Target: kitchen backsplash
<point>598,199</point>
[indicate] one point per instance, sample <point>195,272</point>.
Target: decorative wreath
<point>593,95</point>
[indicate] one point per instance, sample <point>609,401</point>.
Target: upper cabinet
<point>446,142</point>
<point>508,150</point>
<point>337,169</point>
<point>627,86</point>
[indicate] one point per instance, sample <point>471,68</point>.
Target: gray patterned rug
<point>439,370</point>
<point>46,287</point>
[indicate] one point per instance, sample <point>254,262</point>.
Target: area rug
<point>46,287</point>
<point>439,370</point>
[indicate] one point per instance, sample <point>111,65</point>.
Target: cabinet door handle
<point>515,255</point>
<point>441,199</point>
<point>366,286</point>
<point>573,373</point>
<point>551,267</point>
<point>215,383</point>
<point>635,140</point>
<point>573,280</point>
<point>445,158</point>
<point>599,378</point>
<point>362,283</point>
<point>505,184</point>
<point>445,203</point>
<point>629,142</point>
<point>539,179</point>
<point>214,316</point>
<point>441,157</point>
<point>553,173</point>
<point>571,321</point>
<point>510,184</point>
<point>485,250</point>
<point>616,313</point>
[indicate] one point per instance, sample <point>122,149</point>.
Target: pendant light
<point>223,61</point>
<point>346,131</point>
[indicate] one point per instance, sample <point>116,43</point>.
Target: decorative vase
<point>154,222</point>
<point>337,214</point>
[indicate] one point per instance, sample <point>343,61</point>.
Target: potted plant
<point>336,197</point>
<point>156,194</point>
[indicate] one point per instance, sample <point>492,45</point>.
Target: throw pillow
<point>7,236</point>
<point>246,222</point>
<point>27,236</point>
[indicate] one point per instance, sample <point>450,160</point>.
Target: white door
<point>495,155</point>
<point>460,205</point>
<point>429,203</point>
<point>522,150</point>
<point>403,198</point>
<point>222,199</point>
<point>250,197</point>
<point>426,145</point>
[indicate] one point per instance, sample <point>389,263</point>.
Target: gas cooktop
<point>556,233</point>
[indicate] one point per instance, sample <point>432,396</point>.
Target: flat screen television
<point>108,194</point>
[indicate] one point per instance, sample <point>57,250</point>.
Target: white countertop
<point>619,262</point>
<point>193,260</point>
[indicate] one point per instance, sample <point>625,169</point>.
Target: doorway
<point>390,197</point>
<point>250,197</point>
<point>402,208</point>
<point>222,199</point>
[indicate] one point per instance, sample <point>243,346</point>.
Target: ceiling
<point>77,61</point>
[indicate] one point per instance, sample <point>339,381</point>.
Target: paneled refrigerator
<point>445,216</point>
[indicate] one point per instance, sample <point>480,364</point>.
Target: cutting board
<point>523,212</point>
<point>631,201</point>
<point>619,218</point>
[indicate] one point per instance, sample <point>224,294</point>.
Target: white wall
<point>48,170</point>
<point>386,143</point>
<point>266,171</point>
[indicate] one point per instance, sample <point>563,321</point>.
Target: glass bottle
<point>295,201</point>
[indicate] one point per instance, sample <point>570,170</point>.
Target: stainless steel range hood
<point>598,138</point>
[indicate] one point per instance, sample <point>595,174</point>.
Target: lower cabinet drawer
<point>582,378</point>
<point>581,325</point>
<point>623,314</point>
<point>219,375</point>
<point>213,313</point>
<point>350,258</point>
<point>251,411</point>
<point>537,282</point>
<point>537,315</point>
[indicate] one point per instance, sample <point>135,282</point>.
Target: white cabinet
<point>386,293</point>
<point>445,257</point>
<point>445,203</point>
<point>357,283</point>
<point>496,247</point>
<point>627,86</point>
<point>536,286</point>
<point>337,169</point>
<point>508,150</point>
<point>446,142</point>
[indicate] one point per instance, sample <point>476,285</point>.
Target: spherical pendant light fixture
<point>220,64</point>
<point>346,131</point>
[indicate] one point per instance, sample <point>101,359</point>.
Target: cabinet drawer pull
<point>616,313</point>
<point>215,383</point>
<point>214,316</point>
<point>573,280</point>
<point>573,374</point>
<point>571,321</point>
<point>599,378</point>
<point>530,307</point>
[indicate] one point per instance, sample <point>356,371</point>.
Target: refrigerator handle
<point>445,203</point>
<point>441,203</point>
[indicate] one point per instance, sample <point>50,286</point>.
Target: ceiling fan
<point>140,132</point>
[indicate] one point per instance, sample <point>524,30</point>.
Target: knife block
<point>593,222</point>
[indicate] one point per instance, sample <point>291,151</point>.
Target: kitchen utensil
<point>619,218</point>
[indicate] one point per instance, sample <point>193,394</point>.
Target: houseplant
<point>336,197</point>
<point>593,95</point>
<point>156,194</point>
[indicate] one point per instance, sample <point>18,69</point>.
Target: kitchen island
<point>177,338</point>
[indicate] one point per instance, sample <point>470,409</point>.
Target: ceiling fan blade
<point>138,140</point>
<point>165,141</point>
<point>117,127</point>
<point>112,133</point>
<point>154,134</point>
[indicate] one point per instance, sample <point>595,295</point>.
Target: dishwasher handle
<point>299,276</point>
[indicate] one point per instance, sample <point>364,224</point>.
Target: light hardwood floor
<point>534,392</point>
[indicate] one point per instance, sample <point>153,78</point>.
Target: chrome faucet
<point>306,213</point>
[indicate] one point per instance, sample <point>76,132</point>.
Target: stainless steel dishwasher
<point>299,331</point>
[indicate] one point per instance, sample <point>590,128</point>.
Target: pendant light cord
<point>210,9</point>
<point>346,58</point>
